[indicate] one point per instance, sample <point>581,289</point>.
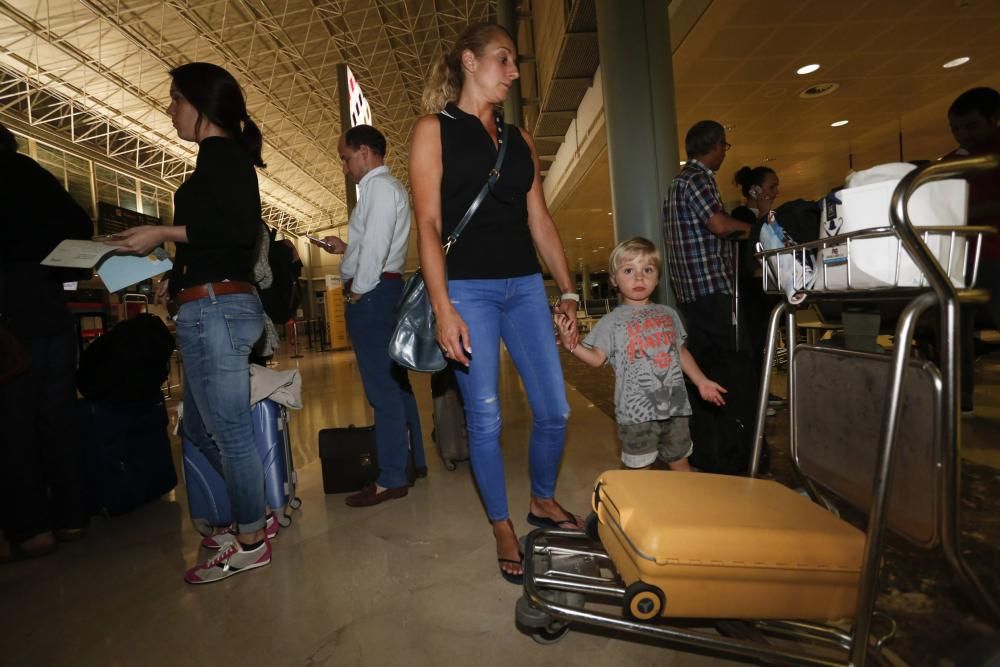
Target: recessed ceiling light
<point>807,69</point>
<point>579,238</point>
<point>609,212</point>
<point>956,62</point>
<point>839,123</point>
<point>683,162</point>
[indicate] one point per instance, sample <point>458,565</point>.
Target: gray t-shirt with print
<point>642,344</point>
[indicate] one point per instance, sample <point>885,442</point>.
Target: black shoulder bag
<point>413,344</point>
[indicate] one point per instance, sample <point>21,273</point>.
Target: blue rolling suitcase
<point>207,498</point>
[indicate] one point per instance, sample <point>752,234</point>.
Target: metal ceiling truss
<point>96,72</point>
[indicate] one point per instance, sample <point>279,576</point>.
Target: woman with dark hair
<point>489,287</point>
<point>759,186</point>
<point>217,215</point>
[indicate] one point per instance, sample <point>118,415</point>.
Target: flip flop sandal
<point>516,579</point>
<point>546,522</point>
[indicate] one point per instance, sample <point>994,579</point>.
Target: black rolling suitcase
<point>126,446</point>
<point>349,459</point>
<point>449,433</point>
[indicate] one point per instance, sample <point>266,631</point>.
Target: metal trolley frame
<point>570,578</point>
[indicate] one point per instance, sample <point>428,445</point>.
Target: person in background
<point>973,118</point>
<point>489,287</point>
<point>759,186</point>
<point>217,214</point>
<point>699,237</point>
<point>644,342</point>
<point>371,271</point>
<point>41,478</point>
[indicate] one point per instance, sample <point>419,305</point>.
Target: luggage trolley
<point>756,570</point>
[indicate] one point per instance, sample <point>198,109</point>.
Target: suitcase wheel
<point>643,602</point>
<point>450,465</point>
<point>295,503</point>
<point>284,520</point>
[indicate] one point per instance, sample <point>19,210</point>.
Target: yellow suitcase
<point>695,545</point>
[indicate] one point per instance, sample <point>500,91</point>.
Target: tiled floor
<point>409,582</point>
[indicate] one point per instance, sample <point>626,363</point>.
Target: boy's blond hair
<point>636,246</point>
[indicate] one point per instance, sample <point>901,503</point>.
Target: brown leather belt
<point>201,291</point>
<point>388,275</point>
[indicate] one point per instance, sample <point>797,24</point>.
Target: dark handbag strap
<point>502,129</point>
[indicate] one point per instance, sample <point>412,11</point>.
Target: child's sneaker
<point>215,541</point>
<point>230,560</point>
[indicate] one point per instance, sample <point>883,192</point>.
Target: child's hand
<point>565,326</point>
<point>712,392</point>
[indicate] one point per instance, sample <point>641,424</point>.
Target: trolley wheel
<point>295,503</point>
<point>590,527</point>
<point>284,520</point>
<point>551,634</point>
<point>643,602</point>
<point>450,465</point>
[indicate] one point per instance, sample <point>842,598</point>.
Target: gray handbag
<point>413,344</point>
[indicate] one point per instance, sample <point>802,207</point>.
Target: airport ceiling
<point>737,64</point>
<point>97,71</point>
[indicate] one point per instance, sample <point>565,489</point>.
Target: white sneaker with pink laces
<point>231,559</point>
<point>213,541</point>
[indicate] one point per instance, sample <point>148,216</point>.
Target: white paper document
<point>116,271</point>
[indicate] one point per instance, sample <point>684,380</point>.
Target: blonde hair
<point>636,246</point>
<point>444,83</point>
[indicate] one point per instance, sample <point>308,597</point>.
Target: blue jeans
<point>215,335</point>
<point>517,311</point>
<point>370,323</point>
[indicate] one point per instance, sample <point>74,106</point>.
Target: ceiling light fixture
<point>807,69</point>
<point>579,238</point>
<point>609,212</point>
<point>839,123</point>
<point>957,62</point>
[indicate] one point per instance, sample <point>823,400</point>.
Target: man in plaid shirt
<point>698,234</point>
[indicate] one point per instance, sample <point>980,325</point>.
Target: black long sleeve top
<point>37,215</point>
<point>219,204</point>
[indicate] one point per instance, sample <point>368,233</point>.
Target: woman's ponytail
<point>252,140</point>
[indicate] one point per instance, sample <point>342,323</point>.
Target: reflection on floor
<point>409,582</point>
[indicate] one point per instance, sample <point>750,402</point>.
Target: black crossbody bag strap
<point>502,131</point>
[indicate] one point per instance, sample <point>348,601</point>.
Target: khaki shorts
<point>667,439</point>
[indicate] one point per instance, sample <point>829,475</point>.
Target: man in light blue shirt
<point>371,271</point>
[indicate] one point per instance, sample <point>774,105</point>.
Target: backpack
<point>129,362</point>
<point>281,299</point>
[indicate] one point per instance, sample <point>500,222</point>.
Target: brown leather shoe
<point>369,496</point>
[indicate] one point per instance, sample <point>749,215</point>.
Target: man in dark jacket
<point>41,489</point>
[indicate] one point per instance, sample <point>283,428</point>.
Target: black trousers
<point>712,342</point>
<point>41,466</point>
<point>989,278</point>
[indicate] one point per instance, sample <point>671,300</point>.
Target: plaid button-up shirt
<point>700,263</point>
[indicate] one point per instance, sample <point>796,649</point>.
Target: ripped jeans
<point>517,311</point>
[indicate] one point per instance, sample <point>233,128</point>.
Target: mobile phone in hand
<point>320,242</point>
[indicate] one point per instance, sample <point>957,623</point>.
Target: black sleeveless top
<point>497,242</point>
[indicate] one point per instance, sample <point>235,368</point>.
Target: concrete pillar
<point>507,17</point>
<point>638,85</point>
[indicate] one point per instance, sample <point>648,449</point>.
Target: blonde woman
<point>489,287</point>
